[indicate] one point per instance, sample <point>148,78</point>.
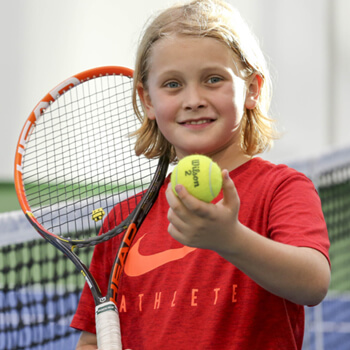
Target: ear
<point>253,91</point>
<point>146,101</point>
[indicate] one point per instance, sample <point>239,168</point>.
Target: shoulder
<point>260,171</point>
<point>267,184</point>
<point>270,169</point>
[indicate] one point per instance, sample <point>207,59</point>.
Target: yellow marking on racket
<point>29,213</point>
<point>98,214</point>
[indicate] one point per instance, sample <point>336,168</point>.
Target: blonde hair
<point>214,19</point>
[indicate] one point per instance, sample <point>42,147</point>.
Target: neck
<point>229,161</point>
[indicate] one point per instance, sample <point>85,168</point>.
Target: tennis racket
<point>74,163</point>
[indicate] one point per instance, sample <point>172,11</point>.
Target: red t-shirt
<point>175,297</point>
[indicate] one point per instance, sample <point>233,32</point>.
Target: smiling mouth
<point>197,122</point>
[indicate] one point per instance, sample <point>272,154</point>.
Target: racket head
<point>75,158</point>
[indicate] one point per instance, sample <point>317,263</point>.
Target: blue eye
<point>172,85</point>
<point>214,80</point>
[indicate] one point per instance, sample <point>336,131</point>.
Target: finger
<point>178,214</point>
<point>171,196</point>
<point>182,202</point>
<point>191,203</point>
<point>176,221</point>
<point>175,202</point>
<point>176,234</point>
<point>229,190</point>
<point>182,219</point>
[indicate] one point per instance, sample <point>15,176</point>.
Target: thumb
<point>229,191</point>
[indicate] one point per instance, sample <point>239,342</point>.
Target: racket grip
<point>108,327</point>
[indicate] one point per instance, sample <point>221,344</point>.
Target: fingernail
<point>178,188</point>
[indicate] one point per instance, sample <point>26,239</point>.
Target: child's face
<point>195,95</point>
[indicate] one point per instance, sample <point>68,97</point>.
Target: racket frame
<point>37,112</point>
<point>130,225</point>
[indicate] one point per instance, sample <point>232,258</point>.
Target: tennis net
<point>328,324</point>
<point>40,288</point>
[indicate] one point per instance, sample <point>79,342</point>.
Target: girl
<point>249,261</point>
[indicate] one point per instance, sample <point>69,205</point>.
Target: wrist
<point>235,244</point>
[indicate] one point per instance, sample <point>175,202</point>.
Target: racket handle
<point>108,327</point>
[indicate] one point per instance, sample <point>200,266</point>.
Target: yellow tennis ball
<point>199,175</point>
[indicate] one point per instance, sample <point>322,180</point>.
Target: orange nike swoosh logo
<point>138,264</point>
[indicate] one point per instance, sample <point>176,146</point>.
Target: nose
<point>194,98</point>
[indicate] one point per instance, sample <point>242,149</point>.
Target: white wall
<point>307,42</point>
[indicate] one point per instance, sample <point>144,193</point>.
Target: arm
<point>298,274</point>
<point>87,341</point>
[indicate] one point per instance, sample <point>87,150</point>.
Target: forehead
<point>184,49</point>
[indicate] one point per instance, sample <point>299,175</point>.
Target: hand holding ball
<point>199,175</point>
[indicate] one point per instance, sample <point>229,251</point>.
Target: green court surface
<point>8,197</point>
<point>51,193</point>
<point>38,262</point>
<point>336,208</point>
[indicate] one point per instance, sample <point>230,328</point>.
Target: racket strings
<point>79,161</point>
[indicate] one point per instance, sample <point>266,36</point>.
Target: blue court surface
<point>328,324</point>
<point>37,320</point>
<point>41,322</point>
